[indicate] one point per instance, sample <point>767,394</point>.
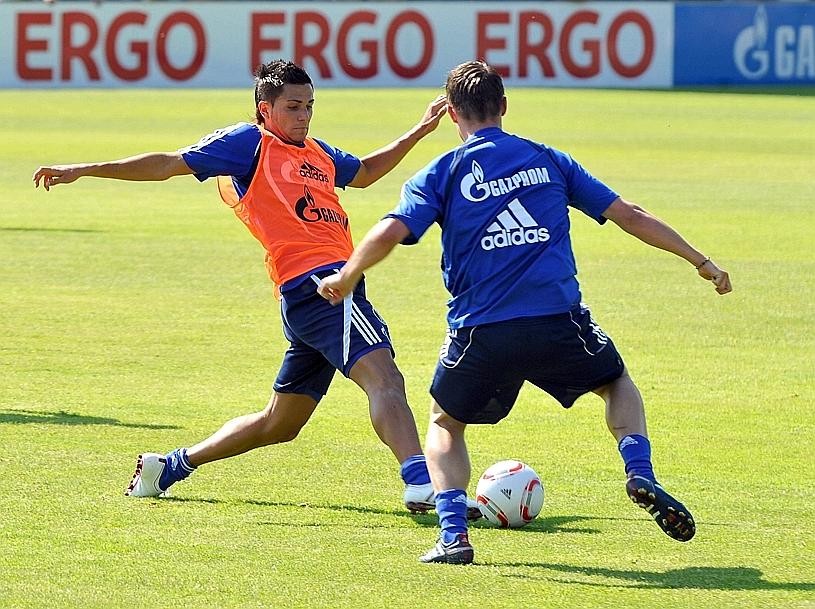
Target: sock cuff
<point>420,458</point>
<point>451,493</point>
<point>184,461</point>
<point>414,470</point>
<point>631,440</point>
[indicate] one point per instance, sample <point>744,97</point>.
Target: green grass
<point>138,317</point>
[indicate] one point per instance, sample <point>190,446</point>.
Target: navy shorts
<point>481,369</point>
<point>324,337</point>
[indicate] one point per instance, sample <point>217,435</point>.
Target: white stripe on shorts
<point>364,326</point>
<point>347,304</point>
<point>453,334</point>
<point>582,340</point>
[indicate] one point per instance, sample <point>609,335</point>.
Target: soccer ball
<point>510,494</point>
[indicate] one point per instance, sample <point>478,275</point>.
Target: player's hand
<point>435,110</point>
<point>719,277</point>
<point>335,288</point>
<point>58,174</point>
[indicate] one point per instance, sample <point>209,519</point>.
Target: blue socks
<point>451,506</point>
<point>177,468</point>
<point>636,453</point>
<point>414,470</point>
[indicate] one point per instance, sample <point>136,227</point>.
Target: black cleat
<point>671,516</point>
<point>457,552</point>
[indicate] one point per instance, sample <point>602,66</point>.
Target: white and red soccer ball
<point>510,494</point>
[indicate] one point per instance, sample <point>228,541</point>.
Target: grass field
<point>137,317</point>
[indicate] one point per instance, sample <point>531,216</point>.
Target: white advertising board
<point>189,44</point>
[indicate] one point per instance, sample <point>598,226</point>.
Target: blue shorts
<point>324,338</point>
<point>481,369</point>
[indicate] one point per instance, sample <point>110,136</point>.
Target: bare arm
<point>382,161</point>
<point>649,229</point>
<point>373,248</point>
<point>152,166</point>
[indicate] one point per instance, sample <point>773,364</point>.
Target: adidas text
<point>508,238</point>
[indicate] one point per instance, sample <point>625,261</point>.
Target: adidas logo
<point>506,493</point>
<point>627,441</point>
<point>307,170</point>
<point>513,226</point>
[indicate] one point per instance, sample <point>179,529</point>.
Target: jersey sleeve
<point>420,204</point>
<point>345,164</point>
<point>229,151</point>
<point>585,192</point>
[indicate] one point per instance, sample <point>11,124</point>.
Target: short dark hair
<point>270,78</point>
<point>475,90</point>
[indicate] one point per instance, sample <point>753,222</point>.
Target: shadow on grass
<point>554,524</point>
<point>691,578</point>
<point>37,229</point>
<point>62,417</point>
<point>543,524</point>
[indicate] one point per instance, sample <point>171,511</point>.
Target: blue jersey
<point>503,206</point>
<point>233,151</point>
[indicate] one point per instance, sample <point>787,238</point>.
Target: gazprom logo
<point>475,189</point>
<point>750,50</point>
<point>472,186</point>
<point>786,52</point>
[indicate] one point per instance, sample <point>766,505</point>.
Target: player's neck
<point>467,128</point>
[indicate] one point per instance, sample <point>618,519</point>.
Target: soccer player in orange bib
<point>281,184</point>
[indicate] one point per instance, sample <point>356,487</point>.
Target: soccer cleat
<point>420,499</point>
<point>145,482</point>
<point>457,552</point>
<point>671,516</point>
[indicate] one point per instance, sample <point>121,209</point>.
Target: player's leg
<point>449,465</point>
<point>281,421</point>
<point>577,358</point>
<point>303,379</point>
<point>625,417</point>
<point>476,381</point>
<point>625,413</point>
<point>446,450</point>
<point>376,373</point>
<point>354,338</point>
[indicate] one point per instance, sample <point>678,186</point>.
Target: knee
<point>274,430</point>
<point>623,382</point>
<point>442,421</point>
<point>388,387</point>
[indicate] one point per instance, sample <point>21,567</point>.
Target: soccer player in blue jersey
<point>281,183</point>
<point>516,315</point>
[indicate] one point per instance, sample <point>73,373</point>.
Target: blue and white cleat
<point>420,499</point>
<point>145,482</point>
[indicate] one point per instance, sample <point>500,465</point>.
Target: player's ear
<point>452,112</point>
<point>265,111</point>
<point>503,105</point>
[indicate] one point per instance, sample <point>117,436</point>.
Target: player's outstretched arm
<point>649,229</point>
<point>152,166</point>
<point>374,247</point>
<point>382,161</point>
